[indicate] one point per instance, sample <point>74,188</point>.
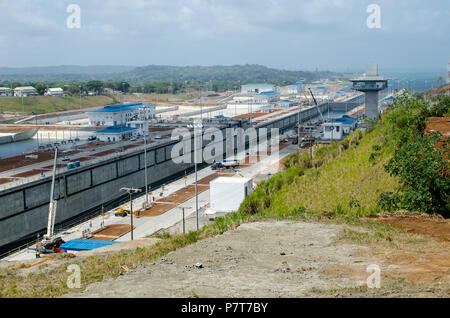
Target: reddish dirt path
<point>438,228</point>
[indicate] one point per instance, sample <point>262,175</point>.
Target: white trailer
<point>227,194</point>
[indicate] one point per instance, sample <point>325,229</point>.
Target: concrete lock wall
<point>89,187</point>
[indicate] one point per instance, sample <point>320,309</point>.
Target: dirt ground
<point>434,226</point>
<point>111,232</point>
<point>284,259</point>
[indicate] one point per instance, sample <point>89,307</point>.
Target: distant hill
<point>65,69</point>
<point>160,73</point>
<point>242,73</point>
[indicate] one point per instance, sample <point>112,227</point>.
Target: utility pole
<point>130,192</point>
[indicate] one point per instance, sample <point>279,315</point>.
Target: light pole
<point>145,158</point>
<point>130,192</point>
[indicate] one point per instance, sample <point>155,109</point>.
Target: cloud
<point>219,31</point>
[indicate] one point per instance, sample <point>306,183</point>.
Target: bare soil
<point>281,259</point>
<point>419,223</point>
<point>111,232</point>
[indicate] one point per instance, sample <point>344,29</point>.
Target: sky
<point>287,34</point>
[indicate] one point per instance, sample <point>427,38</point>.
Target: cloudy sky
<point>290,34</point>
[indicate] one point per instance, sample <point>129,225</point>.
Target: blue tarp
<point>85,245</point>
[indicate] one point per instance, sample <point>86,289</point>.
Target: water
<point>21,147</point>
<point>415,82</point>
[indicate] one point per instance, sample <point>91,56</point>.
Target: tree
<point>423,172</point>
<point>94,86</point>
<point>40,87</point>
<point>123,87</point>
<point>73,90</point>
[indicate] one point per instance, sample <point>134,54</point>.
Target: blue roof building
<point>116,133</point>
<point>267,97</point>
<point>256,88</point>
<point>285,103</point>
<point>338,128</point>
<point>113,115</point>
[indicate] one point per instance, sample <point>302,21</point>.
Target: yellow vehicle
<point>121,212</point>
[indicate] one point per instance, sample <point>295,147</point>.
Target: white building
<point>5,92</point>
<point>141,127</point>
<point>285,103</point>
<point>121,114</point>
<point>267,97</point>
<point>293,89</point>
<point>227,194</point>
<point>256,88</point>
<point>338,128</point>
<point>116,133</point>
<point>25,91</point>
<point>54,92</point>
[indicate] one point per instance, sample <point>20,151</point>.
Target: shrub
<point>388,201</point>
<point>423,185</point>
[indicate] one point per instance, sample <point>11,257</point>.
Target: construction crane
<point>304,94</point>
<point>53,203</point>
<point>315,102</point>
<point>51,244</point>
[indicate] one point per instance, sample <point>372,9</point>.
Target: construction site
<point>84,159</point>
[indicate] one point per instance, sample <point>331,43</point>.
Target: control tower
<point>448,71</point>
<point>370,83</point>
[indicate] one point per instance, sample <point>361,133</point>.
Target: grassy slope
<point>351,176</point>
<point>49,104</point>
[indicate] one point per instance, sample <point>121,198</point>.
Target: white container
<point>227,194</point>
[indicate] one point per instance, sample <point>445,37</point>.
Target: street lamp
<point>130,192</point>
<point>145,156</point>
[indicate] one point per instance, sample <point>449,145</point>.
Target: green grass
<point>345,178</point>
<point>49,104</point>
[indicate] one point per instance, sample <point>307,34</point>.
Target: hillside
<point>50,104</point>
<point>159,73</point>
<point>238,73</point>
<point>395,162</point>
